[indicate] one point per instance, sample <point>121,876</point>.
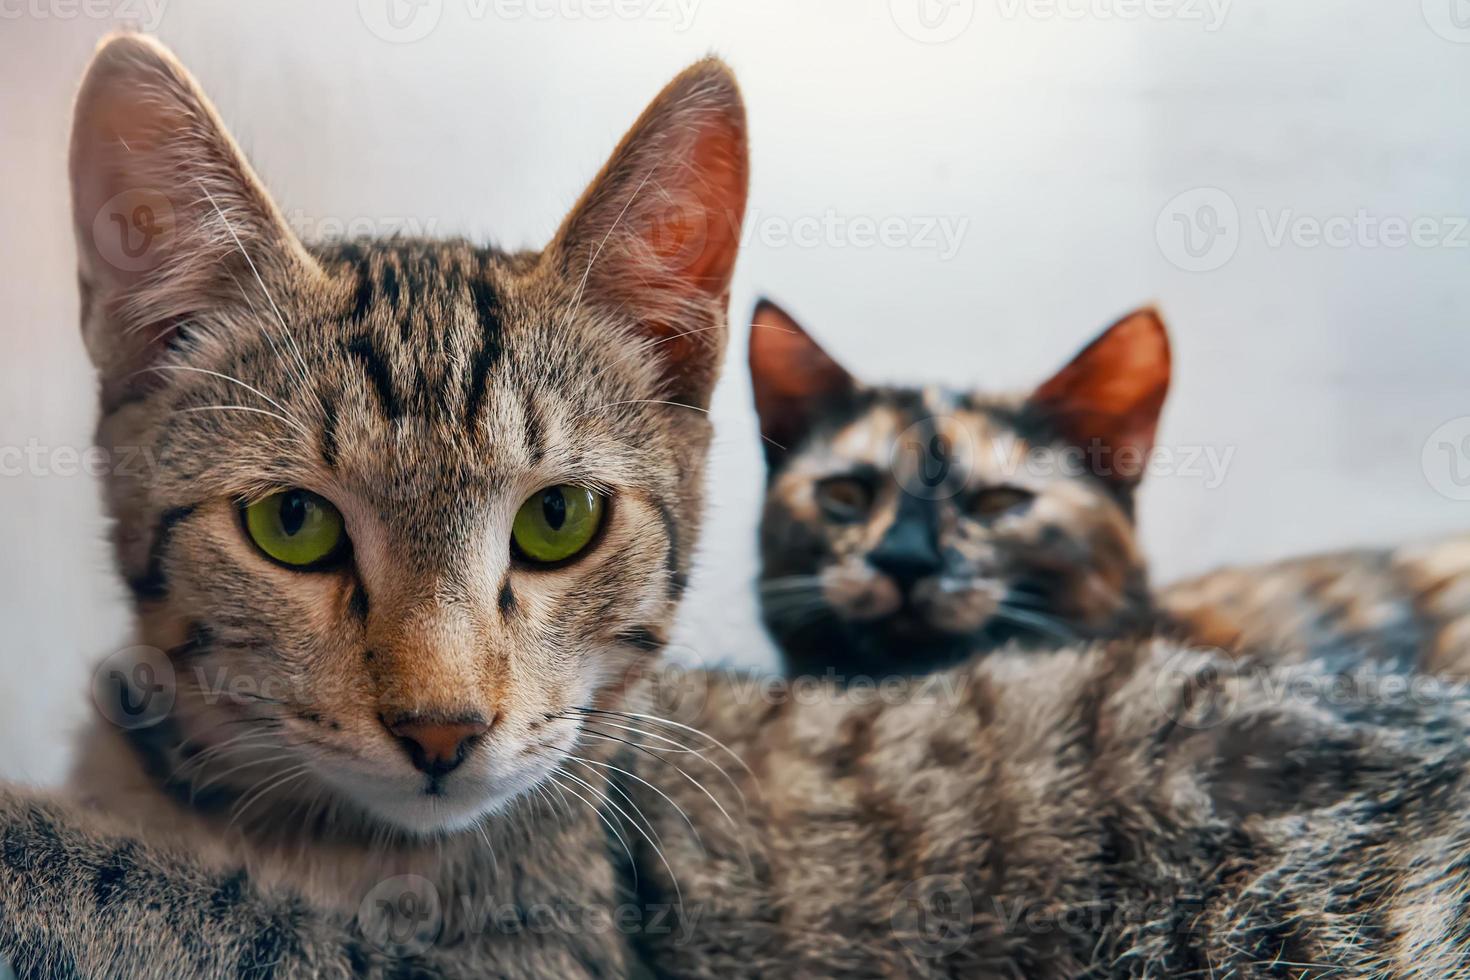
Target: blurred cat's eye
<point>991,502</point>
<point>844,498</point>
<point>296,528</point>
<point>556,523</point>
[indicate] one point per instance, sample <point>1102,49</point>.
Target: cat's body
<point>1407,608</point>
<point>1137,810</point>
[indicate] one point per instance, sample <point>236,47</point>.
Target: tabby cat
<point>420,510</point>
<point>421,515</point>
<point>905,528</point>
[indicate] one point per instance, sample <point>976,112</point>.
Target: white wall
<point>1056,132</point>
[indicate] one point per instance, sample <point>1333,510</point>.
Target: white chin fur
<point>404,805</point>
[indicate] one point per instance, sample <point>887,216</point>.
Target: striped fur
<point>426,389</point>
<point>1128,811</point>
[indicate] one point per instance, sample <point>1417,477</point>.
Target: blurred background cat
<point>906,527</point>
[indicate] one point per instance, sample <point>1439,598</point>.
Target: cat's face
<point>417,506</point>
<point>907,527</point>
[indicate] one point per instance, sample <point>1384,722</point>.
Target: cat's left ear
<point>1110,395</point>
<point>792,378</point>
<point>654,238</point>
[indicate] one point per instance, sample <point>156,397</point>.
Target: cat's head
<point>411,507</point>
<point>906,527</point>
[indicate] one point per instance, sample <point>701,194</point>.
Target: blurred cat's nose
<point>906,554</point>
<point>435,745</point>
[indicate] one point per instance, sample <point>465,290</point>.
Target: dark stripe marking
<point>378,374</point>
<point>487,305</point>
<point>329,432</point>
<point>359,602</point>
<point>228,895</point>
<point>485,359</point>
<point>642,637</point>
<point>390,285</point>
<point>112,875</point>
<point>678,580</point>
<point>362,300</point>
<point>535,428</point>
<point>153,583</point>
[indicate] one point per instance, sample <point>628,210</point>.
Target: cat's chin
<point>459,806</point>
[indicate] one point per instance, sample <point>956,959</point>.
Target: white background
<point>1056,134</point>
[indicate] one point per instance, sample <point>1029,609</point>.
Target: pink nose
<point>437,746</point>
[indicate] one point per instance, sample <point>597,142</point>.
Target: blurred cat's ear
<point>1110,395</point>
<point>792,377</point>
<point>654,239</point>
<point>170,221</point>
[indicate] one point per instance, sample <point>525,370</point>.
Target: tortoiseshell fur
<point>1063,570</point>
<point>927,563</point>
<point>1406,608</point>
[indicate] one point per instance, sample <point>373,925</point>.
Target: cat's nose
<point>906,555</point>
<point>437,746</point>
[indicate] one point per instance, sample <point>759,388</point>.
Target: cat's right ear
<point>792,377</point>
<point>654,239</point>
<point>171,224</point>
<point>1108,398</point>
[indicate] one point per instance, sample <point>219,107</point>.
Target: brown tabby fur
<point>1147,811</point>
<point>426,389</point>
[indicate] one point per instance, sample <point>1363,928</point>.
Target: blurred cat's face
<point>906,527</point>
<point>418,507</point>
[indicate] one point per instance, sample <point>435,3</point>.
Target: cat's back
<point>1407,608</point>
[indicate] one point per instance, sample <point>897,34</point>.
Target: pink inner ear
<point>696,238</point>
<point>1113,391</point>
<point>790,374</point>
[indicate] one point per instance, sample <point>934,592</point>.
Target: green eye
<point>556,523</point>
<point>296,527</point>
